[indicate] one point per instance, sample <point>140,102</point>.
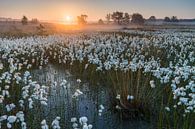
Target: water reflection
<point>62,103</point>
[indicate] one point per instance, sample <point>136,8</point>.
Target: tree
<point>174,19</point>
<point>108,18</point>
<point>34,21</point>
<point>117,17</point>
<point>82,20</point>
<point>40,29</point>
<point>100,21</point>
<point>126,18</point>
<point>167,19</point>
<point>152,18</point>
<point>137,18</point>
<point>24,20</point>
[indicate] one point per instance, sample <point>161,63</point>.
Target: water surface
<point>62,103</point>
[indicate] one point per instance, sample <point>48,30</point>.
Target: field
<point>135,77</point>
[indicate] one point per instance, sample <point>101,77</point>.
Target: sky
<point>56,10</point>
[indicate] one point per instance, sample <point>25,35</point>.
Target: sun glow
<point>68,19</point>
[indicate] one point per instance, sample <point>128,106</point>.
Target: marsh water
<point>62,103</point>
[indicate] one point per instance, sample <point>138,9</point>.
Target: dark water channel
<point>62,103</point>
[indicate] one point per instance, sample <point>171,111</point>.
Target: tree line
<point>124,18</point>
<point>117,17</point>
<point>25,20</point>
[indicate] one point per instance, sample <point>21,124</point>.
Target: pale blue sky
<point>95,9</point>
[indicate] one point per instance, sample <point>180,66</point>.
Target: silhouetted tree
<point>40,29</point>
<point>108,18</point>
<point>137,18</point>
<point>100,21</point>
<point>24,20</point>
<point>82,19</point>
<point>117,17</point>
<point>174,19</point>
<point>126,18</point>
<point>167,19</point>
<point>152,18</point>
<point>34,21</point>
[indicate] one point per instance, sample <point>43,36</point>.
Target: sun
<point>68,19</point>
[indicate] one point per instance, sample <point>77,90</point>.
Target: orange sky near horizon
<point>58,10</point>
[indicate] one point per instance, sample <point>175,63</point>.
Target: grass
<point>148,103</point>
